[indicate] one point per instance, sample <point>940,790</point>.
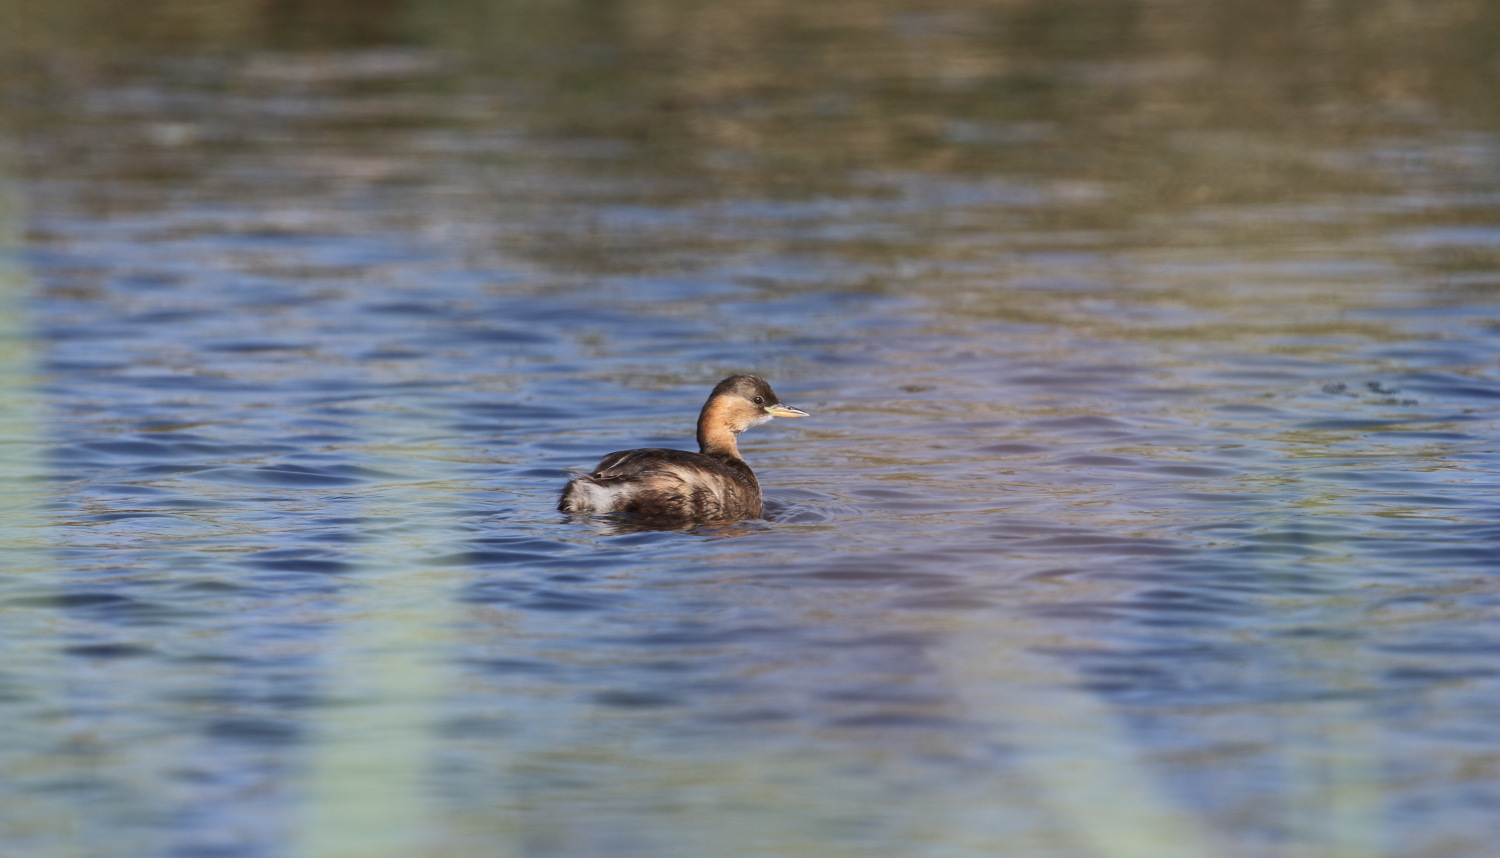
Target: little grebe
<point>713,484</point>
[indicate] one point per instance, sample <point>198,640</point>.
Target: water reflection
<point>1146,512</point>
<point>618,525</point>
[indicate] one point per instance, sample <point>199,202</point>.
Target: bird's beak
<point>779,410</point>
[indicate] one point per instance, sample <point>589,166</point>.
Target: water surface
<point>1147,507</point>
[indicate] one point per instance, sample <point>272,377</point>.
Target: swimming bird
<point>713,484</point>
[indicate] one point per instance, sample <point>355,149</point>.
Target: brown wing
<point>665,484</point>
<point>632,464</point>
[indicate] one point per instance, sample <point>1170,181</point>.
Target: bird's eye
<point>759,400</point>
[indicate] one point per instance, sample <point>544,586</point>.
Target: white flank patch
<point>588,496</point>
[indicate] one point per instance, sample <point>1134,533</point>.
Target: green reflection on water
<point>39,732</point>
<point>369,792</point>
<point>1073,753</point>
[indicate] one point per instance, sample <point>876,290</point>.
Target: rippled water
<point>1147,506</point>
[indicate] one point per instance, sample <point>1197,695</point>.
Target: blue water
<point>1124,525</point>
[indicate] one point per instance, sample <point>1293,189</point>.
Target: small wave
<point>806,507</point>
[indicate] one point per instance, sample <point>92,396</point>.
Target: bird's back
<point>666,485</point>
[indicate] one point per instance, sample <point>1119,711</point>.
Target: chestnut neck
<point>715,433</point>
